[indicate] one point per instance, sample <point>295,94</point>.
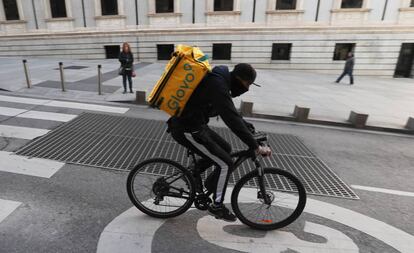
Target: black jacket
<point>212,98</point>
<point>126,60</point>
<point>349,65</point>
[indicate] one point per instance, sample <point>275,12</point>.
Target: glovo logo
<point>175,99</point>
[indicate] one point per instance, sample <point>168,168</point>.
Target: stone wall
<point>312,49</point>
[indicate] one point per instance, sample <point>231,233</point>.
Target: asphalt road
<point>86,209</point>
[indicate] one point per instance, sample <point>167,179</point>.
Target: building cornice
<point>10,22</point>
<point>351,10</point>
<point>59,19</point>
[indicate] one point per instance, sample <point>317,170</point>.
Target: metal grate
<point>73,67</point>
<point>119,142</point>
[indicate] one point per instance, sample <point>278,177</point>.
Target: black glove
<point>250,127</point>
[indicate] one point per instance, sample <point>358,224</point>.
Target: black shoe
<point>124,92</point>
<point>221,212</point>
<point>131,91</point>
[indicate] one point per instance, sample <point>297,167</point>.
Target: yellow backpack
<point>181,76</point>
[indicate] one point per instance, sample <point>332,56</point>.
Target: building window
<point>412,3</point>
<point>112,52</point>
<point>351,4</point>
<point>165,51</point>
<point>164,6</point>
<point>285,4</point>
<point>58,8</point>
<point>281,51</point>
<point>11,10</point>
<point>109,7</point>
<point>342,50</point>
<point>222,51</point>
<point>223,5</point>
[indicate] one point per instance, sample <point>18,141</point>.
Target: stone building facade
<point>308,35</point>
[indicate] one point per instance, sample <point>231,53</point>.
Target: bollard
<point>26,72</point>
<point>140,98</point>
<point>99,79</point>
<point>410,124</point>
<point>358,120</point>
<point>246,108</point>
<point>301,113</point>
<point>62,78</point>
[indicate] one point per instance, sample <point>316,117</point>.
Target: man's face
<point>246,84</point>
<point>239,86</point>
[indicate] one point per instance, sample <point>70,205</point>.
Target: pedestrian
<point>127,68</point>
<point>348,69</point>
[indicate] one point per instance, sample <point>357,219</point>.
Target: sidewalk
<point>389,102</point>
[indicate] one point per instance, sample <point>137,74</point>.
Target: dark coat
<point>213,98</point>
<point>126,60</point>
<point>349,65</point>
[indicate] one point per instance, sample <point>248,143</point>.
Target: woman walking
<point>127,59</point>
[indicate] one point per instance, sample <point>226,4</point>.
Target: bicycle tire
<point>254,174</point>
<point>137,203</point>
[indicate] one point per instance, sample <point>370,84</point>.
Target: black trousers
<point>214,150</point>
<point>351,77</point>
<point>125,75</point>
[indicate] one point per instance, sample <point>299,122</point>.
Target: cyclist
<point>213,97</point>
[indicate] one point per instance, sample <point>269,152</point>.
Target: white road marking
<point>132,231</point>
<point>91,107</point>
<point>47,116</point>
<point>22,113</point>
<point>7,207</point>
<point>21,132</point>
<point>383,190</point>
<point>8,111</point>
<point>72,105</point>
<point>211,230</point>
<point>32,101</point>
<point>37,167</point>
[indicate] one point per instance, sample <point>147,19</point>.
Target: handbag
<point>133,74</point>
<point>121,71</point>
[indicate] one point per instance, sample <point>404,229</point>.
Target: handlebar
<point>260,137</point>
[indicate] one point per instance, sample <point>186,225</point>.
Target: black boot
<point>220,211</point>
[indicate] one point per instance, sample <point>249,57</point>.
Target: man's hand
<point>264,151</point>
<point>250,126</point>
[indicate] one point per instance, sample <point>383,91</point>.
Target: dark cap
<point>245,71</point>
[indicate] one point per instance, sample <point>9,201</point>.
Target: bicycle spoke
<point>160,187</point>
<point>251,208</point>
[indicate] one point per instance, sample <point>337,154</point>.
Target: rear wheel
<point>286,194</point>
<point>161,188</point>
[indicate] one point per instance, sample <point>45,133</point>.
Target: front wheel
<point>286,195</point>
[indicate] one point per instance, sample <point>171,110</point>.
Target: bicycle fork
<point>266,199</point>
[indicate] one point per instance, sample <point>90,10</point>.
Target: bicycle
<point>173,189</point>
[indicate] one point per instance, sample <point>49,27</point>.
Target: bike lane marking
<point>212,230</point>
<point>383,190</point>
<point>7,207</point>
<point>132,231</point>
